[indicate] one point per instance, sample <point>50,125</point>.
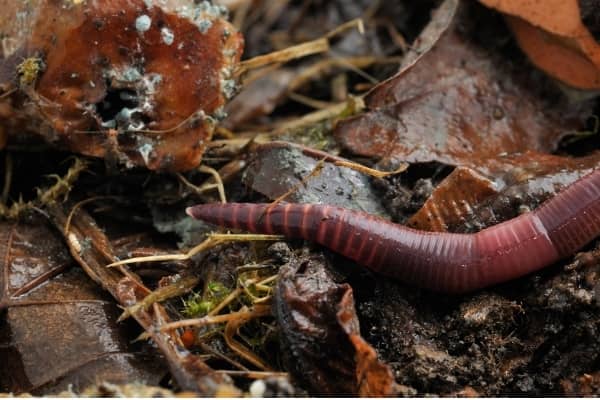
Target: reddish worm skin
<point>445,262</point>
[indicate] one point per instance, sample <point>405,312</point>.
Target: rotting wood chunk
<point>139,82</point>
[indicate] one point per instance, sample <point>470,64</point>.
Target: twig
<point>353,105</point>
<point>316,46</point>
<point>82,203</point>
<point>302,50</point>
<point>178,288</point>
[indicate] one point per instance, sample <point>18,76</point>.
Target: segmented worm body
<point>446,262</point>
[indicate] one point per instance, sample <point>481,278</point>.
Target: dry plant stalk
<point>213,240</point>
<point>375,173</point>
<point>231,329</point>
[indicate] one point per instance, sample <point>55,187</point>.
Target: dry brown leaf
<point>453,199</point>
<point>555,38</point>
<point>375,378</point>
<point>466,201</point>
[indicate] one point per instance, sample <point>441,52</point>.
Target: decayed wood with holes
<point>132,81</point>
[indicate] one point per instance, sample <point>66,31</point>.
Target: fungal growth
<point>141,81</point>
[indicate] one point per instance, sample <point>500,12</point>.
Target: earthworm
<point>444,262</point>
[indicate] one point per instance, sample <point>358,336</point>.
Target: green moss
<point>198,305</point>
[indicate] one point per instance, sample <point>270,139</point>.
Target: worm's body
<point>446,262</point>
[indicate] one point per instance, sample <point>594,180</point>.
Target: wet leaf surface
<point>279,168</point>
<point>462,104</point>
<point>63,321</point>
<point>466,201</point>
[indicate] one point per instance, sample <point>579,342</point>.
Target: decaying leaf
<point>466,201</point>
<point>61,321</point>
<point>138,82</point>
<point>452,200</point>
<point>554,36</point>
<point>374,377</point>
<point>321,336</point>
<point>461,104</point>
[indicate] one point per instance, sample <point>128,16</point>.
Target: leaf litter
<point>486,136</point>
<point>54,315</point>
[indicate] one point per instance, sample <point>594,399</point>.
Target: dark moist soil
<point>533,336</point>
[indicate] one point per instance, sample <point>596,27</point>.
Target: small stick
<point>225,302</point>
<point>3,95</point>
<point>257,285</point>
<point>315,171</point>
<point>353,105</point>
<point>207,186</point>
<point>308,101</point>
<point>80,204</point>
<point>316,46</point>
<point>302,50</point>
<point>232,327</point>
<point>255,374</point>
<point>184,285</point>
